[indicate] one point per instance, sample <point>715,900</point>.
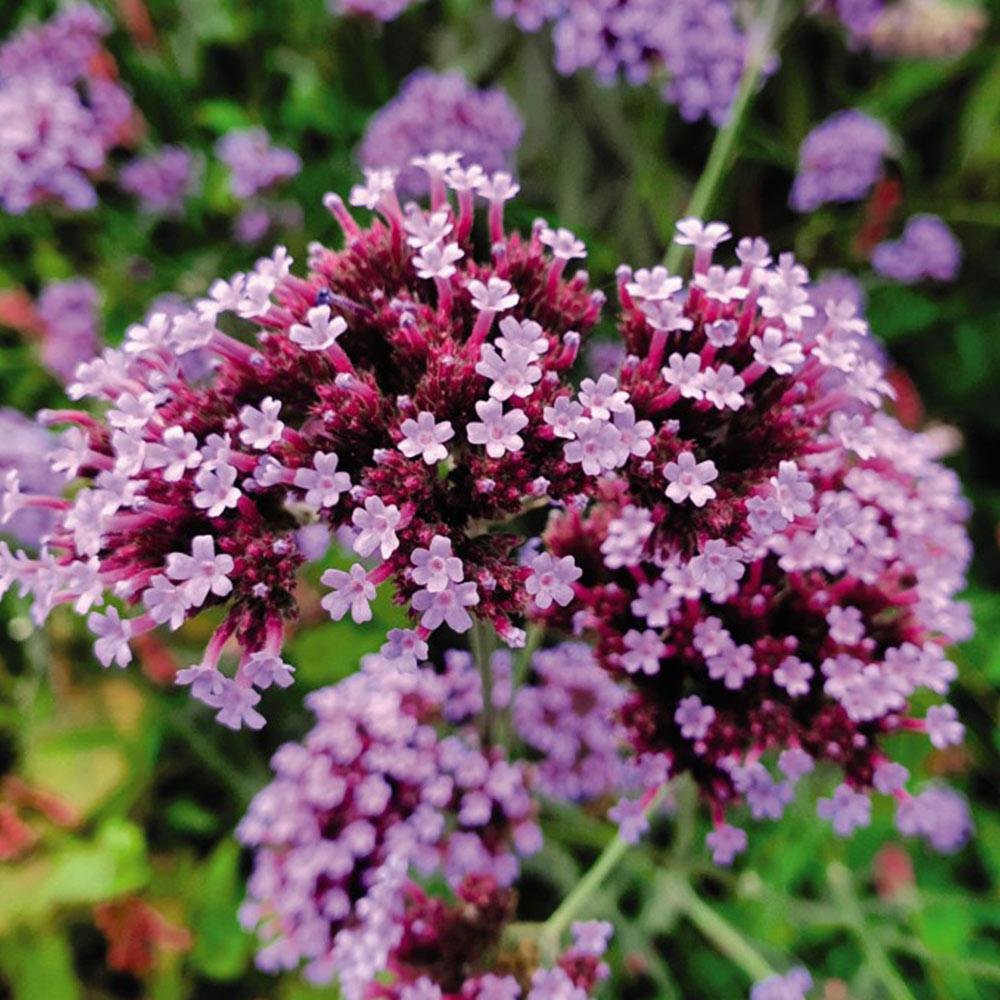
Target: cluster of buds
<point>402,392</point>
<point>777,576</point>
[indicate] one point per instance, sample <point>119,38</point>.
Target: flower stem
<point>839,879</point>
<point>726,939</point>
<point>482,651</point>
<point>759,44</point>
<point>571,906</point>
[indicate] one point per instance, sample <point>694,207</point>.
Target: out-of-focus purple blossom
<point>839,160</point>
<point>254,162</point>
<point>69,313</point>
<point>858,17</point>
<point>61,48</point>
<point>927,250</point>
<point>441,111</point>
<point>604,357</point>
<point>27,448</point>
<point>837,286</point>
<point>939,815</point>
<point>59,111</point>
<point>382,10</point>
<point>260,218</point>
<point>162,180</point>
<point>793,985</point>
<point>696,44</point>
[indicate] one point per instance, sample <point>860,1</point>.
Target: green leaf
<point>222,949</point>
<point>39,967</point>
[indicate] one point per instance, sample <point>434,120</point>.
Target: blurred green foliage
<point>157,788</point>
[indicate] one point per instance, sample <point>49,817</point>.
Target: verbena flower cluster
<point>839,160</point>
<point>435,111</point>
<point>162,180</point>
<point>26,447</point>
<point>61,110</point>
<point>696,46</point>
<point>927,249</point>
<point>374,802</point>
<point>774,572</point>
<point>762,563</point>
<point>68,316</point>
<point>403,391</point>
<point>255,164</point>
<point>374,792</point>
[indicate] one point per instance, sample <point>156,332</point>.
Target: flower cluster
<point>253,162</point>
<point>61,110</point>
<point>839,160</point>
<point>26,448</point>
<point>374,796</point>
<point>775,574</point>
<point>696,44</point>
<point>403,392</point>
<point>567,715</point>
<point>162,180</point>
<point>68,317</point>
<point>434,111</point>
<point>927,250</point>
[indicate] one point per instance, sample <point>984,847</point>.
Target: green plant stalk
<point>577,899</point>
<point>482,651</point>
<point>720,156</point>
<point>839,879</point>
<point>724,937</point>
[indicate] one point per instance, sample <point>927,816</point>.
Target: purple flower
<point>551,580</point>
<point>352,591</point>
<point>253,162</point>
<point>163,180</point>
<point>69,314</point>
<point>847,810</point>
<point>725,842</point>
<point>927,250</point>
<point>694,718</point>
<point>32,451</point>
<point>565,715</point>
<point>58,118</point>
<point>425,437</point>
<point>839,160</point>
<point>688,479</point>
<point>793,985</point>
<point>441,112</point>
<point>699,42</point>
<point>202,572</point>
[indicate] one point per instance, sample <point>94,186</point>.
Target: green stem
<point>725,938</point>
<point>842,888</point>
<point>574,903</point>
<point>518,671</point>
<point>482,651</point>
<point>721,154</point>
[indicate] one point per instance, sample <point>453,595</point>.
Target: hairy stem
<point>720,157</point>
